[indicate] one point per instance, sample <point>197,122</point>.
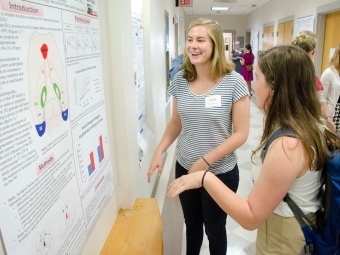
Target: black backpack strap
<point>279,132</point>
<point>298,213</point>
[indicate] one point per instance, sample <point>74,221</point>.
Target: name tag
<point>213,101</point>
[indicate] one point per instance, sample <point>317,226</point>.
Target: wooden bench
<point>140,234</point>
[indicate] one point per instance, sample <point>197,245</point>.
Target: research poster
<point>55,174</point>
<point>144,133</point>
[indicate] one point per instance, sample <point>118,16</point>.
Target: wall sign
<point>185,3</point>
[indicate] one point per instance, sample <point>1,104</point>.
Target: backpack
<point>325,239</point>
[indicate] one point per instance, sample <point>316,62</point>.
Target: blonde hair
<point>305,42</point>
<point>310,33</point>
<point>219,64</point>
<point>335,59</point>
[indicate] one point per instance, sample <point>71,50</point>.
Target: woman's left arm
<point>240,119</point>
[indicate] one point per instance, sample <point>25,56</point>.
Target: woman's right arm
<point>170,134</point>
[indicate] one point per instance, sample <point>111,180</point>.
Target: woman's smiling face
<point>199,45</point>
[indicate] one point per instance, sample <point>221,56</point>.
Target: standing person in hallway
<point>330,80</point>
<point>292,164</point>
<point>210,118</point>
<point>176,64</point>
<point>307,42</point>
<point>236,55</point>
<point>247,60</point>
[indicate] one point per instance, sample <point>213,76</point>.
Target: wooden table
<point>140,234</point>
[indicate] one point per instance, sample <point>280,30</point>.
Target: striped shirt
<point>206,125</point>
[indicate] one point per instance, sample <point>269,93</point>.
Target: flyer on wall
<point>56,172</point>
<point>144,133</point>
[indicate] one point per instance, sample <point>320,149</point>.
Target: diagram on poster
<point>65,214</point>
<point>43,243</point>
<point>80,40</point>
<point>48,94</point>
<point>85,89</point>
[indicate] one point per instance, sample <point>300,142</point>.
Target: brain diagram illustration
<point>65,214</point>
<point>48,90</point>
<point>43,240</point>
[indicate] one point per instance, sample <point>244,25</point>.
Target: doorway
<point>229,38</point>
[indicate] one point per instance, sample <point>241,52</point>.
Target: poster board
<point>57,172</point>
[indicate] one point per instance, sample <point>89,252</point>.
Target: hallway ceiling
<point>237,7</point>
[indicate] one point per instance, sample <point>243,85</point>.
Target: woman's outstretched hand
<point>156,163</point>
<point>185,182</point>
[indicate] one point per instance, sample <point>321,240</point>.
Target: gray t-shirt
<point>206,119</point>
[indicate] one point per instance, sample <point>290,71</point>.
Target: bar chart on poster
<point>91,154</point>
<point>91,142</point>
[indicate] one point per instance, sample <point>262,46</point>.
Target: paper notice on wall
<point>144,133</point>
<point>303,24</point>
<point>331,53</point>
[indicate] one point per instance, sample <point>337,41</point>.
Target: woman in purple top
<point>247,59</point>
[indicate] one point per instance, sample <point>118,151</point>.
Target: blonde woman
<point>210,118</point>
<point>306,40</point>
<point>330,80</point>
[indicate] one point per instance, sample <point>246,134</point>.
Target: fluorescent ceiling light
<point>220,8</point>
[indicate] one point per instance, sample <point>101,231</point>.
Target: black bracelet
<point>203,177</point>
<point>206,161</point>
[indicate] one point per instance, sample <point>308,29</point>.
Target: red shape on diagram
<point>44,50</point>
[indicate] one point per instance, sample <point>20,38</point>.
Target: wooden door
<point>332,36</point>
<point>280,33</point>
<point>265,38</point>
<point>270,37</point>
<point>288,37</point>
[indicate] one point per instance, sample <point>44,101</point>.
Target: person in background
<point>247,60</point>
<point>292,163</point>
<point>235,56</point>
<point>176,64</point>
<point>306,41</point>
<point>210,118</point>
<point>330,79</point>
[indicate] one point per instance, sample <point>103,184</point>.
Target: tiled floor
<point>240,241</point>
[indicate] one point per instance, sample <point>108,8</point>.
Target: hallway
<point>240,241</point>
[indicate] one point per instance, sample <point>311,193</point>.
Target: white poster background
<point>55,174</point>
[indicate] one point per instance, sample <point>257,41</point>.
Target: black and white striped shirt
<point>206,124</point>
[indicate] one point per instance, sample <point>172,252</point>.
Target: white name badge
<point>213,101</point>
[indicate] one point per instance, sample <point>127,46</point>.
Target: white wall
<point>116,35</point>
<point>276,10</point>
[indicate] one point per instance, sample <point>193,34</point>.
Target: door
<point>331,37</point>
<point>288,37</point>
<point>270,37</point>
<point>280,33</point>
